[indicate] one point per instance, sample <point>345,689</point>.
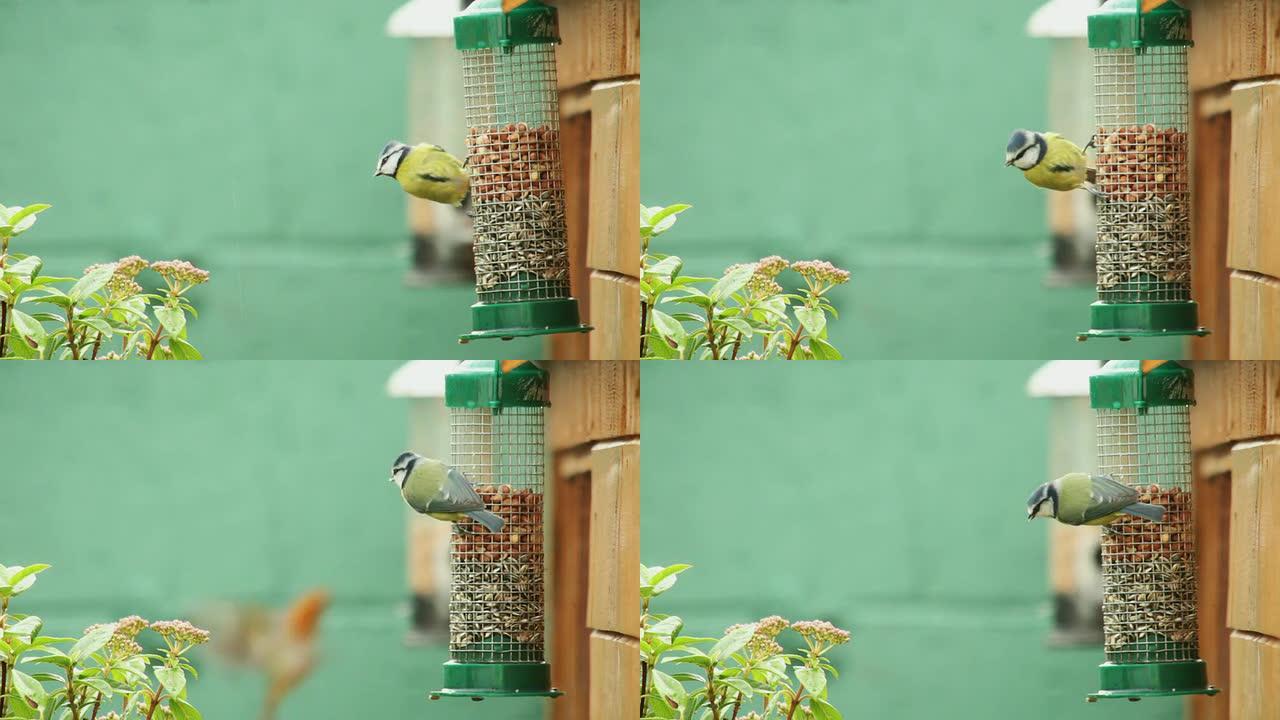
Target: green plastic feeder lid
<point>1123,384</point>
<point>484,25</point>
<point>1122,24</point>
<point>484,384</point>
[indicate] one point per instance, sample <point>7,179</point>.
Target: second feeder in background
<point>512,103</point>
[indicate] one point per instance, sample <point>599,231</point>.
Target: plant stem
<point>644,330</point>
<point>795,342</point>
<point>155,703</point>
<point>71,334</point>
<point>4,339</point>
<point>644,685</point>
<point>155,342</point>
<point>4,666</point>
<point>711,333</point>
<point>97,703</point>
<point>71,692</point>
<point>97,343</point>
<point>795,704</point>
<point>711,692</point>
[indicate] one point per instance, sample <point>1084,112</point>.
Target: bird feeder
<point>1143,246</point>
<point>496,608</point>
<point>517,181</point>
<point>1149,569</point>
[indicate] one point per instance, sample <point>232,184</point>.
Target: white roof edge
<point>423,19</point>
<point>1062,378</point>
<point>1061,19</point>
<point>420,379</point>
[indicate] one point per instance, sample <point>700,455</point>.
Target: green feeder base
<point>485,680</point>
<point>1130,320</point>
<point>1141,680</point>
<point>523,319</point>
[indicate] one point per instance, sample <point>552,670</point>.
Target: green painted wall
<point>241,135</point>
<point>886,497</point>
<point>871,134</point>
<point>172,485</point>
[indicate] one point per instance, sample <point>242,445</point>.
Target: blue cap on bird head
<point>1039,496</point>
<point>390,158</point>
<point>1025,149</point>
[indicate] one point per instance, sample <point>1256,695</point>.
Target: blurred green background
<point>155,489</point>
<point>871,134</point>
<point>886,497</point>
<point>238,134</point>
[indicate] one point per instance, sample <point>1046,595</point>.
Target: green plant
<point>103,667</point>
<point>744,314</point>
<point>744,674</point>
<point>103,305</point>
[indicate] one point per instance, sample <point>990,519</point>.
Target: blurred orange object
<point>282,644</point>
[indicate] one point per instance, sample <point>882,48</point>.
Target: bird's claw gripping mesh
<point>517,181</point>
<point>1144,217</point>
<point>496,599</point>
<point>1149,569</point>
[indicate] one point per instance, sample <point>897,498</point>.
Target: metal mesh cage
<point>1144,220</point>
<point>1149,569</point>
<point>513,144</point>
<point>496,599</point>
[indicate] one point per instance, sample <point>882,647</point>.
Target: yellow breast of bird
<point>449,187</point>
<point>1063,167</point>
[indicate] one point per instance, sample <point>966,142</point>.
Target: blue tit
<point>425,171</point>
<point>440,491</point>
<point>1050,161</point>
<point>1084,499</point>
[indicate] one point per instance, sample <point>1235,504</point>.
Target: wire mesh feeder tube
<point>1144,215</point>
<point>1149,569</point>
<point>517,179</point>
<point>496,604</point>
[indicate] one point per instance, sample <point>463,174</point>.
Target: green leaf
<point>91,643</point>
<point>98,684</point>
<point>98,324</point>
<point>29,687</point>
<point>22,578</point>
<point>731,283</point>
<point>813,680</point>
<point>54,298</point>
<point>172,319</point>
<point>656,347</point>
<point>660,219</point>
<point>669,326</point>
<point>29,326</point>
<point>668,686</point>
<point>742,686</point>
<point>60,660</point>
<point>25,268</point>
<point>700,300</point>
<point>665,268</point>
<point>699,660</point>
<point>813,320</point>
<point>738,324</point>
<point>732,643</point>
<point>666,627</point>
<point>182,710</point>
<point>658,579</point>
<point>91,283</point>
<point>183,350</point>
<point>24,217</point>
<point>822,710</point>
<point>822,350</point>
<point>173,679</point>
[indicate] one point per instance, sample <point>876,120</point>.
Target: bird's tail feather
<point>1146,511</point>
<point>492,522</point>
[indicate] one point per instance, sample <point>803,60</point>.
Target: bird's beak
<point>1007,163</point>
